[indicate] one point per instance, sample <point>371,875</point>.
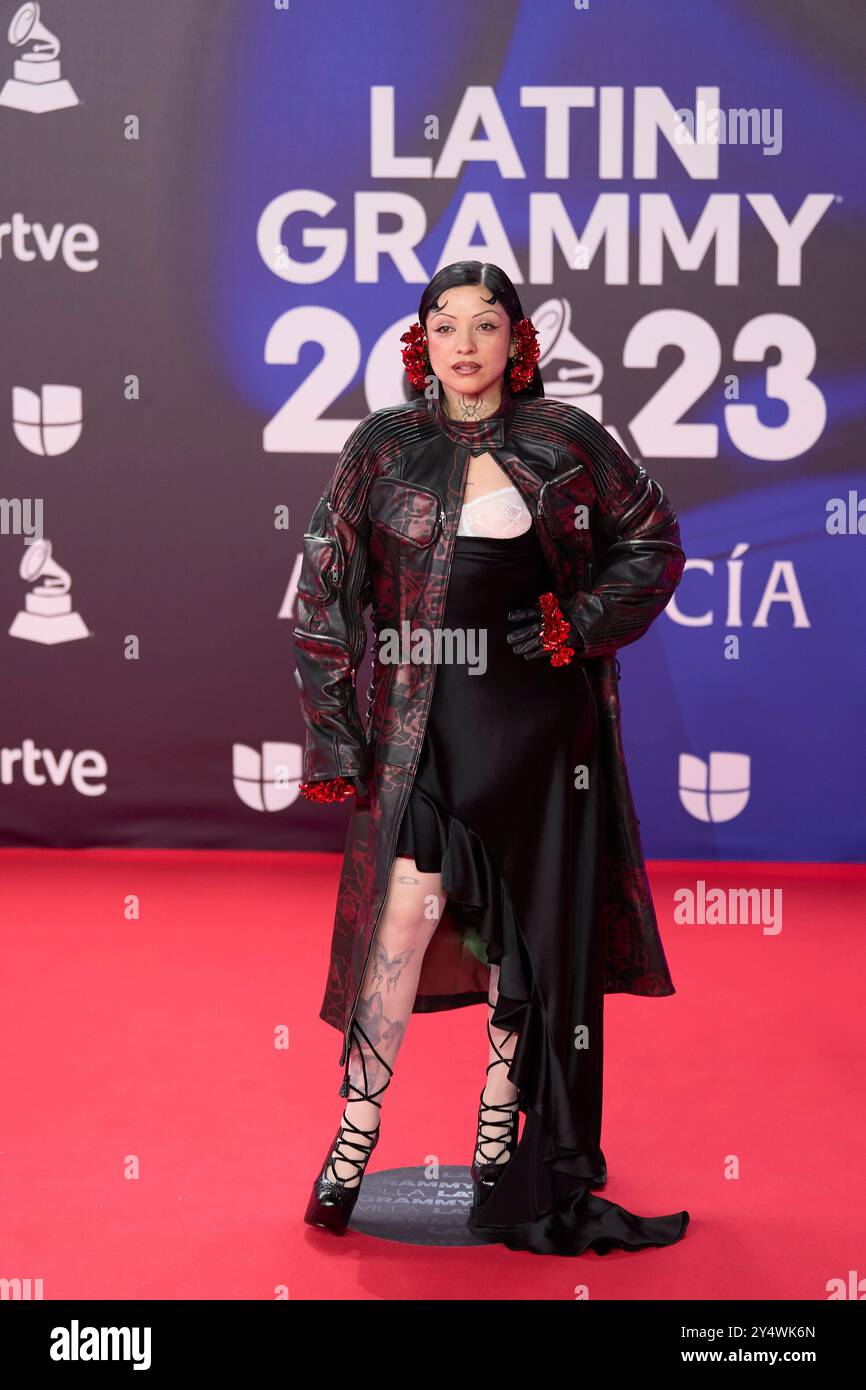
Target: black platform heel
<point>486,1175</point>
<point>333,1199</point>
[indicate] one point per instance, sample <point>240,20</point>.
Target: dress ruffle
<point>543,1201</point>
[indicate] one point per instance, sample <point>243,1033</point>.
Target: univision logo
<point>267,781</point>
<point>717,790</point>
<point>49,423</point>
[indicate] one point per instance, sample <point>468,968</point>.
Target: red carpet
<point>147,1045</point>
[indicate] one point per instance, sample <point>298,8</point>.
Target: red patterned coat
<point>383,534</point>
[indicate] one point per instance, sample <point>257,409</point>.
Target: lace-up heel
<point>486,1175</point>
<point>333,1199</point>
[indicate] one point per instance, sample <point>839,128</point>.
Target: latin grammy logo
<point>47,616</point>
<point>37,85</point>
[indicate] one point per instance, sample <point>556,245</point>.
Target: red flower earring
<point>416,359</point>
<point>527,354</point>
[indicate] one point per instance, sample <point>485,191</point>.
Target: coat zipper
<point>320,637</point>
<point>346,1053</point>
<point>578,468</point>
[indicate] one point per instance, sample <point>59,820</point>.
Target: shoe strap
<point>510,1108</point>
<point>500,1056</point>
<point>506,1139</point>
<point>342,1142</point>
<point>366,1094</point>
<point>348,1126</point>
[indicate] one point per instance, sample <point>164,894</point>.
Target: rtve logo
<point>77,244</point>
<point>715,791</point>
<point>25,764</point>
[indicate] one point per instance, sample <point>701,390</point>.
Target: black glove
<point>526,640</point>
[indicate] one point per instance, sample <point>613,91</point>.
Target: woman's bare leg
<point>498,1090</point>
<point>410,915</point>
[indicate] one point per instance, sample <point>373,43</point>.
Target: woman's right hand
<point>336,789</point>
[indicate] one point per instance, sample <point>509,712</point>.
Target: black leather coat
<point>383,534</point>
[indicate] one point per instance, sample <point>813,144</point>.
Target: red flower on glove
<point>548,634</point>
<point>336,789</point>
<point>555,631</point>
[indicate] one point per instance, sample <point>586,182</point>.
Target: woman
<point>508,547</point>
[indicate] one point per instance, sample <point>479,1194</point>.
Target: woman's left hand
<point>526,640</point>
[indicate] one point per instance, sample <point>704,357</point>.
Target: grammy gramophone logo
<point>36,85</point>
<point>47,616</point>
<point>579,370</point>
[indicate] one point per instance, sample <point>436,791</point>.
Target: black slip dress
<point>506,805</point>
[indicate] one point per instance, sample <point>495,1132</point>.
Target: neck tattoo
<point>472,408</point>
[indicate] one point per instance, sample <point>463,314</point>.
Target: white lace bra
<point>500,513</point>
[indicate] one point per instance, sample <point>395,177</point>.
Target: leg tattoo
<point>390,967</point>
<point>392,973</point>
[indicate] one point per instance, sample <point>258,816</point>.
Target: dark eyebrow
<point>441,314</point>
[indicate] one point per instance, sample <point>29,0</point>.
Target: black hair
<point>502,292</point>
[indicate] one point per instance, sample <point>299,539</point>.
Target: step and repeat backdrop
<point>216,219</point>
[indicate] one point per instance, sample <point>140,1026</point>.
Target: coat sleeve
<point>331,635</point>
<point>638,546</point>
